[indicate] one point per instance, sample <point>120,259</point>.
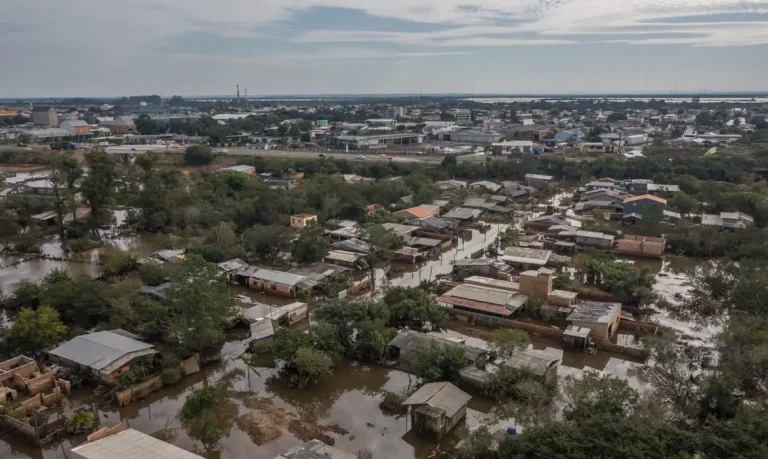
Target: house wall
<point>642,206</point>
<point>601,330</point>
<point>429,427</point>
<point>450,423</point>
<point>302,221</point>
<point>640,246</point>
<point>539,286</point>
<point>272,289</point>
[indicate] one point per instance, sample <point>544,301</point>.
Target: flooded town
<point>513,279</point>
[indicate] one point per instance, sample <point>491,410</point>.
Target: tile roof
<point>646,196</point>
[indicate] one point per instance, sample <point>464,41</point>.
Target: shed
<point>576,337</point>
<point>437,408</point>
<point>544,368</point>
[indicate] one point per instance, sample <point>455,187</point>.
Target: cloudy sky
<point>195,47</point>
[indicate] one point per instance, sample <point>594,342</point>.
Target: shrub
<point>126,378</point>
<point>171,375</point>
<point>152,274</point>
<point>198,155</point>
<point>81,422</point>
<point>392,403</point>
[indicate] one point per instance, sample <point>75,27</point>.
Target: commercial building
<point>463,115</point>
<point>45,116</point>
<point>475,136</point>
<point>369,142</point>
<point>436,408</point>
<point>509,147</point>
<point>76,127</point>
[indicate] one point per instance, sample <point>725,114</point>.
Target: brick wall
<point>105,432</point>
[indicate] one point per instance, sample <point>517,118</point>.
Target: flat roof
<point>131,444</point>
<point>342,255</point>
<point>594,311</point>
<point>526,255</point>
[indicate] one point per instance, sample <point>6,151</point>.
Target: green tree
<point>594,394</point>
<point>147,160</point>
<point>506,341</point>
<point>449,161</point>
<point>265,243</point>
<point>36,330</point>
<point>201,309</point>
<point>98,187</point>
<point>65,175</point>
<point>413,308</point>
<point>199,416</point>
<point>683,202</point>
<point>311,365</point>
<point>197,155</point>
<point>311,246</point>
<point>346,317</point>
<point>437,362</point>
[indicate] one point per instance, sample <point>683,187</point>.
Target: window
<point>273,287</point>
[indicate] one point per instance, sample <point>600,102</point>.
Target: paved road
<point>423,159</point>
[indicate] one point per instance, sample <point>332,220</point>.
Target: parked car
<point>360,157</point>
<point>323,155</point>
<point>223,151</point>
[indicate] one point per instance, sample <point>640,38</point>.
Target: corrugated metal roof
<point>593,311</point>
<point>534,363</point>
<point>408,339</point>
<point>526,255</point>
<point>341,255</point>
<point>277,277</point>
<point>462,213</point>
<point>480,293</point>
<point>442,395</point>
<point>98,350</point>
<point>131,444</point>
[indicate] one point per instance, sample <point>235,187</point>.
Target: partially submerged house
<point>166,256</point>
<point>539,283</point>
<point>436,408</point>
<point>232,266</point>
<point>542,367</point>
<point>300,221</point>
<point>349,260</point>
<point>540,182</point>
<point>487,267</point>
<point>264,320</point>
<point>525,258</point>
<point>601,318</point>
<point>641,246</point>
<point>315,449</point>
<point>405,341</point>
<point>468,300</point>
<point>104,354</point>
<point>273,282</point>
<point>514,190</point>
<point>644,204</point>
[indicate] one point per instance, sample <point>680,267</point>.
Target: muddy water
<point>349,399</point>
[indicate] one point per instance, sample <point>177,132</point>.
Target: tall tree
<point>98,188</point>
<point>36,330</point>
<point>65,173</point>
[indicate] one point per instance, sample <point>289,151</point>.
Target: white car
<point>360,157</point>
<point>223,151</point>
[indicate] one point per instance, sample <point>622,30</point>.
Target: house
<point>413,213</point>
<point>409,255</point>
<point>451,184</point>
<point>601,185</point>
<point>540,182</point>
<point>436,408</point>
<point>344,233</point>
<point>539,284</point>
<point>543,368</point>
<point>487,267</point>
<point>435,225</point>
<point>45,116</point>
<point>299,221</point>
<point>314,449</point>
<point>406,340</point>
<point>478,203</point>
<point>353,245</point>
<point>334,224</point>
<point>281,183</point>
<point>321,272</point>
<point>644,204</point>
<point>119,442</point>
<point>104,354</point>
<point>371,209</point>
<point>156,292</point>
<point>167,256</point>
<point>572,135</point>
<point>524,258</point>
<point>425,245</point>
<point>273,282</point>
<point>243,169</point>
<point>485,185</point>
<point>514,190</point>
<point>232,266</point>
<point>262,327</point>
<point>442,204</point>
<point>576,338</point>
<point>468,300</point>
<point>121,125</point>
<point>595,239</point>
<point>464,214</point>
<point>641,246</point>
<point>601,318</point>
<point>76,127</point>
<point>50,218</point>
<point>349,260</point>
<point>400,230</point>
<point>615,196</point>
<point>728,220</point>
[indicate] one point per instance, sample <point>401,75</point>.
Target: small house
<point>601,318</point>
<point>232,266</point>
<point>514,190</point>
<point>405,341</point>
<point>485,185</point>
<point>436,408</point>
<point>728,220</point>
<point>105,354</point>
<point>544,369</point>
<point>300,221</point>
<point>119,442</point>
<point>525,257</point>
<point>540,182</point>
<point>486,267</point>
<point>350,260</point>
<point>576,338</point>
<point>644,204</point>
<point>464,214</point>
<point>273,282</point>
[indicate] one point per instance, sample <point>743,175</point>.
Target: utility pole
<point>238,95</point>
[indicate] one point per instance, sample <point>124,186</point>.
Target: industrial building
<point>371,142</point>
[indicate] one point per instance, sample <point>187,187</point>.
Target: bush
<point>152,274</point>
<point>119,263</point>
<point>126,378</point>
<point>171,375</point>
<point>392,403</point>
<point>81,422</point>
<point>198,155</point>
